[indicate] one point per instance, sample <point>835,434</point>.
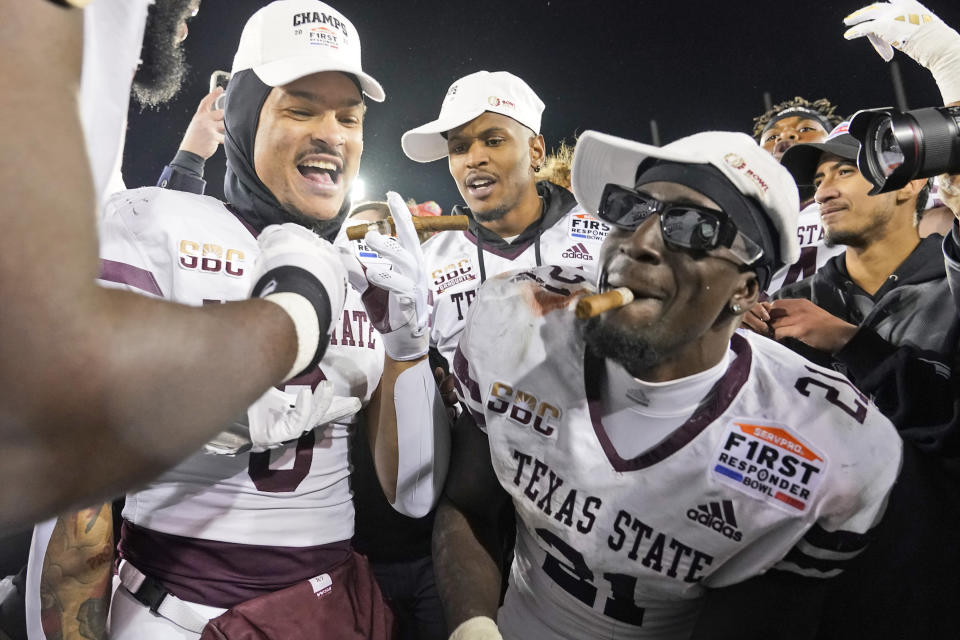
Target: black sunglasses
<point>684,226</point>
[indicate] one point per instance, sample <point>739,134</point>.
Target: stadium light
<point>358,191</point>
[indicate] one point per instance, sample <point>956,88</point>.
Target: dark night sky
<point>611,66</point>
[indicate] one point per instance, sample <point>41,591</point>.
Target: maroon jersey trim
<point>712,406</point>
<point>123,273</point>
<point>224,574</point>
<point>236,214</point>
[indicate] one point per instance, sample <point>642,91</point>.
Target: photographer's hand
<point>910,27</point>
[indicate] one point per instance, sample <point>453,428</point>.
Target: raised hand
<point>910,27</point>
<point>204,134</point>
<point>396,300</point>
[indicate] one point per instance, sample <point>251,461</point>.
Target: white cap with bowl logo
<point>289,39</point>
<point>602,159</point>
<point>498,92</point>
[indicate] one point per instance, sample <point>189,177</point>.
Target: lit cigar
<point>596,304</point>
<point>420,223</point>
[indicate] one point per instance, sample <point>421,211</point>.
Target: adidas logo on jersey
<point>577,252</point>
<point>718,516</point>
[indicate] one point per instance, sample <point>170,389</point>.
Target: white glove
<point>272,420</point>
<point>303,274</point>
<point>910,27</point>
<point>397,305</point>
<point>477,628</point>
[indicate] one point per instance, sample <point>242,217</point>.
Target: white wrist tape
<point>305,322</point>
<point>406,343</point>
<point>423,441</point>
<point>477,628</point>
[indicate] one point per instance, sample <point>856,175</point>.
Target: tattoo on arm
<point>77,574</point>
<point>92,617</point>
<point>51,612</point>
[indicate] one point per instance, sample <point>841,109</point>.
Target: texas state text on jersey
<point>783,465</point>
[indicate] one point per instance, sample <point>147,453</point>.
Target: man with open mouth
<point>256,527</point>
<point>671,478</point>
<point>489,132</point>
<point>121,360</point>
<point>777,129</point>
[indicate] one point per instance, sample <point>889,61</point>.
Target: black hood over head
<point>247,195</point>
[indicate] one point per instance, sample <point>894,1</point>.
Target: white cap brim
<point>426,144</point>
<point>601,159</point>
<point>287,70</point>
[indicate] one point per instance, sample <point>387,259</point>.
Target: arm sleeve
<point>865,464</point>
<point>184,173</point>
<point>865,351</point>
<point>423,441</point>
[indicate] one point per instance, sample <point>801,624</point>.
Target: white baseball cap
<point>289,39</point>
<point>498,91</point>
<point>600,159</point>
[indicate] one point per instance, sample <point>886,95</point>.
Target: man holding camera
<point>877,311</point>
<point>851,313</point>
<point>902,352</point>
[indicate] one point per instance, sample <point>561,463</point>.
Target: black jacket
<point>904,355</point>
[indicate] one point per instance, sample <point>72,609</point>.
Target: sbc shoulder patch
<point>769,462</point>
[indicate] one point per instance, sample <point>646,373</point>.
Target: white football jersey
<point>814,253</point>
<point>784,465</point>
<point>193,250</point>
<point>452,263</point>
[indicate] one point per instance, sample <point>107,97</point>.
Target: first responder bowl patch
<point>770,463</point>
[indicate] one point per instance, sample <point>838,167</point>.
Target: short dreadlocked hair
<point>822,106</point>
<point>556,166</point>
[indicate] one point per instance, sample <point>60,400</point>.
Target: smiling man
<point>123,361</point>
<point>238,537</point>
<point>489,131</point>
<point>671,478</point>
<point>777,129</point>
<point>885,290</point>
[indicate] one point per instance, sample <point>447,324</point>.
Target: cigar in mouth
<point>590,306</point>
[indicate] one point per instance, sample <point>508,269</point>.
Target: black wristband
<point>191,163</point>
<point>71,4</point>
<point>288,279</point>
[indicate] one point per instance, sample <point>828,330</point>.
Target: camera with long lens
<point>896,147</point>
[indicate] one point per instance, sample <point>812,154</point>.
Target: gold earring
<point>736,308</point>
